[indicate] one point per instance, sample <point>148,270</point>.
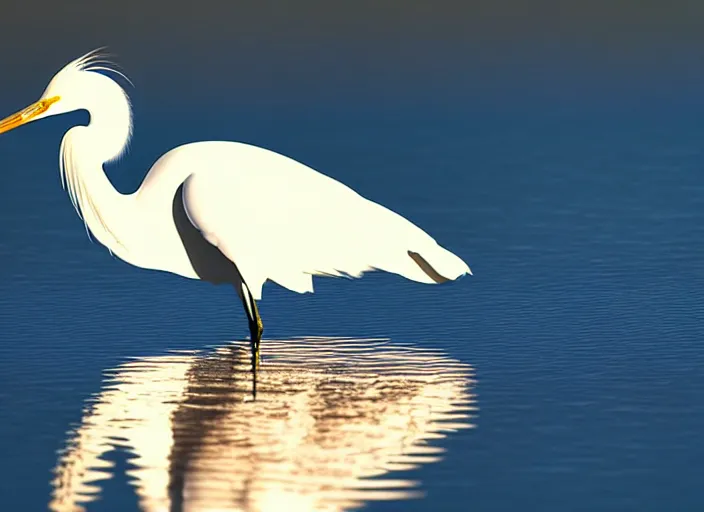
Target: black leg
<point>256,327</point>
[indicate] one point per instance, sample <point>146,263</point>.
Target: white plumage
<point>272,217</point>
<point>300,223</point>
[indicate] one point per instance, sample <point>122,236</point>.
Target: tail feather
<point>431,264</point>
<point>439,264</point>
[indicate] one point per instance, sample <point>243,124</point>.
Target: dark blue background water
<point>578,202</point>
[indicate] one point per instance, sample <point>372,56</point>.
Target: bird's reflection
<point>333,419</point>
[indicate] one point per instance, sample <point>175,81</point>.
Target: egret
<point>223,212</point>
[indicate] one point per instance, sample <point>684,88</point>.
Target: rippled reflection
<point>330,414</point>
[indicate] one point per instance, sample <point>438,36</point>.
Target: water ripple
<point>333,419</point>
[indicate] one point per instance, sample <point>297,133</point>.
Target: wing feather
<point>280,220</point>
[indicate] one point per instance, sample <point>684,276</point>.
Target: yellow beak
<point>27,114</point>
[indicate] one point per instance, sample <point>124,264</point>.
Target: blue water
<point>582,325</point>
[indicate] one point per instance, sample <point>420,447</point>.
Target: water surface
<point>583,321</point>
<point>333,420</point>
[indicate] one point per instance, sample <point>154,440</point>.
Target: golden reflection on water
<point>330,414</point>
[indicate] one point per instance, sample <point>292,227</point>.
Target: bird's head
<point>72,88</point>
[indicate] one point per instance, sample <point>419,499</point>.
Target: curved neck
<point>105,211</point>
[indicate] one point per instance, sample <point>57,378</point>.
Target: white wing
<point>278,219</point>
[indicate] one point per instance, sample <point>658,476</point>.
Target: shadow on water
<point>333,419</point>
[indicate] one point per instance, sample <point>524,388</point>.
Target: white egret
<point>223,212</point>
